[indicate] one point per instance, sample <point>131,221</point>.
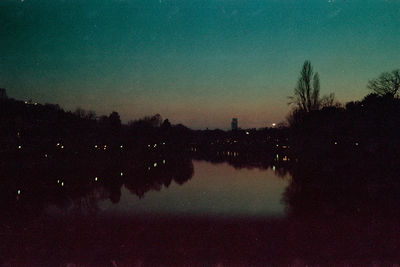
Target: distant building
<point>234,124</point>
<point>3,94</point>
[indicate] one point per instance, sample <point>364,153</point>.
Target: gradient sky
<point>196,62</point>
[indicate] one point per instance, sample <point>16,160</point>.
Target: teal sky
<point>196,62</point>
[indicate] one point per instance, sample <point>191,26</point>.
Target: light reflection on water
<point>214,190</point>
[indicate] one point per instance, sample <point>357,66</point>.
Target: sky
<point>195,62</point>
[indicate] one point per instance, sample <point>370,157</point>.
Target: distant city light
<point>273,124</point>
<point>19,147</point>
<point>273,168</point>
<point>95,146</point>
<point>95,179</point>
<point>62,183</point>
<point>45,155</point>
<point>247,133</point>
<point>121,146</point>
<point>356,143</point>
<point>58,181</point>
<point>58,144</point>
<point>163,161</point>
<point>19,192</point>
<point>155,164</point>
<point>122,173</point>
<point>148,145</point>
<point>155,145</point>
<point>335,143</point>
<point>62,147</point>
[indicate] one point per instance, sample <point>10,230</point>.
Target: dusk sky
<point>196,62</point>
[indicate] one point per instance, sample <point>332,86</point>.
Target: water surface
<point>214,190</point>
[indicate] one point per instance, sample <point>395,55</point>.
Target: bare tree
<point>329,101</point>
<point>306,96</point>
<point>386,84</point>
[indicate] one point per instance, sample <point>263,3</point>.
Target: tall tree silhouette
<point>306,92</point>
<point>386,84</point>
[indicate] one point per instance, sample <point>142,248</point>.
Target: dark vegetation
<point>320,130</point>
<point>343,159</point>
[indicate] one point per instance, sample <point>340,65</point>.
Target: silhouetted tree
<point>91,115</point>
<point>156,120</point>
<point>306,96</point>
<point>329,101</point>
<point>115,121</point>
<point>166,125</point>
<point>386,84</point>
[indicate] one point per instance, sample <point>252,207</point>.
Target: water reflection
<point>355,186</point>
<point>214,190</point>
<point>339,211</point>
<point>75,183</point>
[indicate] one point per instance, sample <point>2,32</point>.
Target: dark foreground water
<point>182,212</point>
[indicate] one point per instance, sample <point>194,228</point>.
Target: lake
<point>214,190</point>
<point>178,211</point>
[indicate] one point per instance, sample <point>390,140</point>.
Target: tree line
<point>319,124</point>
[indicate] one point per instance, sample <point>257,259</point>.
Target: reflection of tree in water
<point>344,187</point>
<point>77,186</point>
<point>243,160</point>
<point>151,177</point>
<point>88,203</point>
